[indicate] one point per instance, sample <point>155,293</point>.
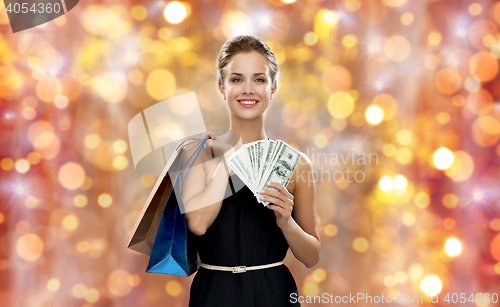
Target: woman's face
<point>248,85</point>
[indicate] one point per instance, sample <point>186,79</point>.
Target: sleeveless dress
<point>244,233</point>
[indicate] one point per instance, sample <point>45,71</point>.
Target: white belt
<point>238,269</point>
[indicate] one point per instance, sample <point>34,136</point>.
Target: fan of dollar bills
<point>260,162</point>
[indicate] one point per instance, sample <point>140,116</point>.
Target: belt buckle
<point>239,269</point>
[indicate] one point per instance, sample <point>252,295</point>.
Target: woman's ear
<point>221,90</point>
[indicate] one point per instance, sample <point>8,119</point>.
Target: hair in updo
<point>245,43</point>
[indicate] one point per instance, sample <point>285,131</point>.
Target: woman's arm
<point>203,200</point>
<point>296,214</point>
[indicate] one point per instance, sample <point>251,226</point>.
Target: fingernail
<point>261,198</point>
<point>262,191</point>
<point>269,184</point>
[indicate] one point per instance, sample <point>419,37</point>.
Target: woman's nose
<point>248,88</point>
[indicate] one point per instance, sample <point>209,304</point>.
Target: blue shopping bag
<point>173,250</point>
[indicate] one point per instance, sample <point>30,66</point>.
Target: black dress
<point>244,233</point>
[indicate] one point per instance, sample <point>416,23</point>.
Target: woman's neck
<point>249,130</point>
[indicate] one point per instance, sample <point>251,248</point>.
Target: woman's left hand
<point>281,203</point>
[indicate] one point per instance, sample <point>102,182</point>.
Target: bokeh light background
<point>414,82</point>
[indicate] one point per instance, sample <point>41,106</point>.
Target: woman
<point>239,231</point>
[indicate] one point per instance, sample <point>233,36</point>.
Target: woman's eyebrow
<point>238,74</point>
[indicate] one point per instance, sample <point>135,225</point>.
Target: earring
<point>272,95</point>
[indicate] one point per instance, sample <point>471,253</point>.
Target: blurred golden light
<point>71,175</point>
<point>450,201</point>
<point>400,277</point>
<point>331,230</point>
<point>443,158</point>
<point>120,162</point>
<point>29,247</point>
<point>495,247</point>
<point>338,124</point>
<point>448,81</point>
<point>407,18</point>
<point>120,146</point>
<point>462,167</point>
<point>443,117</point>
<point>374,114</point>
<point>422,200</point>
<point>23,227</point>
<point>136,77</point>
<point>310,289</point>
<point>496,268</point>
<point>395,3</point>
<point>397,48</point>
<point>349,41</point>
<point>486,131</point>
<point>472,84</point>
<point>390,281</point>
<point>236,23</point>
<point>2,218</point>
<point>453,247</point>
<point>22,166</point>
<point>330,17</point>
<point>494,224</point>
<point>404,156</point>
<point>134,280</point>
<point>92,141</point>
<point>475,9</point>
<point>7,164</point>
<point>449,223</point>
<point>70,222</point>
<point>434,38</point>
<point>92,295</point>
<point>386,183</point>
<point>160,84</point>
<point>352,5</point>
<point>34,158</point>
<point>310,39</point>
<point>404,136</point>
<point>80,201</point>
<point>320,141</point>
<point>416,271</point>
<point>79,290</point>
<point>111,86</point>
<point>118,284</point>
<point>29,113</point>
<point>173,288</point>
<point>139,12</point>
<point>431,284</point>
<point>48,88</point>
<point>340,104</point>
<point>484,66</point>
<point>31,202</point>
<point>360,245</point>
<point>175,12</point>
<point>104,200</point>
<point>480,102</point>
<point>83,246</point>
<point>53,285</point>
<point>288,1</point>
<point>458,100</point>
<point>387,103</point>
<point>319,275</point>
<point>400,182</point>
<point>336,79</point>
<point>61,102</point>
<point>489,41</point>
<point>408,219</point>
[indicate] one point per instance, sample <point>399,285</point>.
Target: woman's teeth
<point>247,102</point>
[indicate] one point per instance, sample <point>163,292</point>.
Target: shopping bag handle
<point>196,152</point>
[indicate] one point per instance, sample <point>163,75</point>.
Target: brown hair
<point>245,43</point>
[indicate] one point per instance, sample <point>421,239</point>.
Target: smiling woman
<point>241,243</point>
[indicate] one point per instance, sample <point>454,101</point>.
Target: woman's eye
<point>261,79</point>
<point>236,79</point>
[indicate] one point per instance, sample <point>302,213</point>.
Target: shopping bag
<point>146,226</point>
<point>174,251</point>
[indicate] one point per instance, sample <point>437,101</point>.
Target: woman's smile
<point>248,102</point>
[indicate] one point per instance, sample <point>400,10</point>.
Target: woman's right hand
<point>217,148</point>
